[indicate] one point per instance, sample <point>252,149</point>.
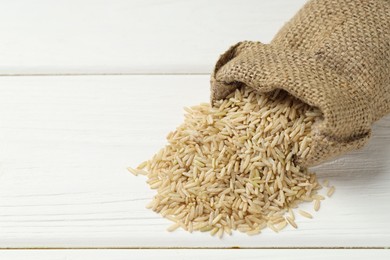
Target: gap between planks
<point>186,248</point>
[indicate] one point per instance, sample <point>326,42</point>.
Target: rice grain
<point>305,214</point>
<point>317,204</point>
<point>330,191</point>
<point>292,222</point>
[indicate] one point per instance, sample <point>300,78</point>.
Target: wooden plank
<point>66,143</point>
<point>188,254</point>
<point>138,36</point>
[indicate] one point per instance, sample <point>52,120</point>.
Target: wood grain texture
<point>137,36</point>
<point>66,143</point>
<point>253,254</point>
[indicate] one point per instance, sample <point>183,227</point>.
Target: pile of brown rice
<point>231,166</point>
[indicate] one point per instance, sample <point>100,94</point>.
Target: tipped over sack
<point>333,55</point>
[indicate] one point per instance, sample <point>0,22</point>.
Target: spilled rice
<point>232,166</point>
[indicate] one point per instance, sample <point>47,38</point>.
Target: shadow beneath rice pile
<point>231,166</point>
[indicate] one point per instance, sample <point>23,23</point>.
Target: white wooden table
<point>88,88</point>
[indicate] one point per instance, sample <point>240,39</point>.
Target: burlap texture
<point>334,55</point>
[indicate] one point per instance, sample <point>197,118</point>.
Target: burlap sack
<point>334,55</point>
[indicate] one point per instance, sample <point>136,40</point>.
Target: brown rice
<point>232,166</point>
